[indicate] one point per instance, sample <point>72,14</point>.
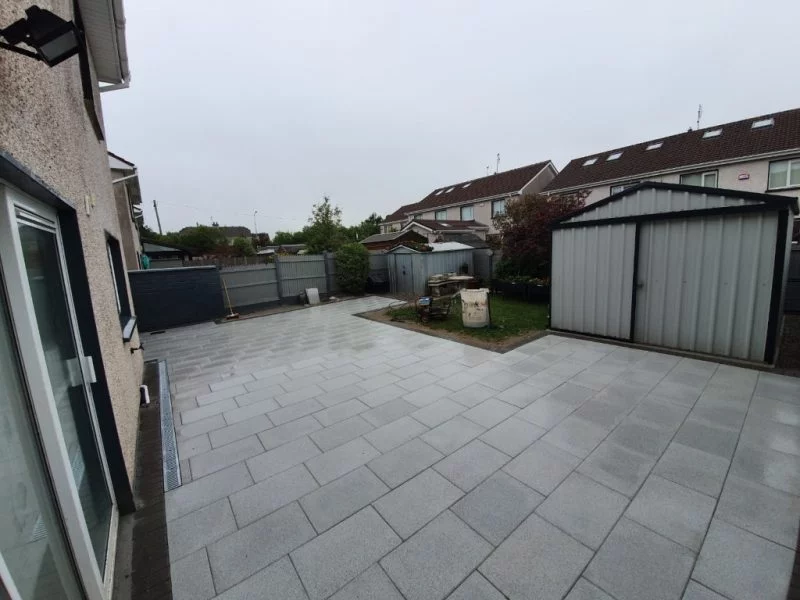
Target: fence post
<point>328,287</point>
<point>278,277</point>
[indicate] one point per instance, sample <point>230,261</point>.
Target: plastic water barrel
<point>475,307</point>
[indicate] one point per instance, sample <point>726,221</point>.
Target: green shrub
<point>352,268</point>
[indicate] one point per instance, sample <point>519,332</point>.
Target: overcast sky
<point>252,105</point>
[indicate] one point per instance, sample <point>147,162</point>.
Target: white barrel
<point>475,308</point>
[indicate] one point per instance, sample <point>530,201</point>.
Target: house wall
<point>45,127</point>
<point>130,242</point>
<point>727,178</point>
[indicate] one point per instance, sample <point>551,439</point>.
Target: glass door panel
<point>40,249</point>
<point>32,543</point>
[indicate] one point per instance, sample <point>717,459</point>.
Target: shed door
<point>705,284</point>
<point>403,273</point>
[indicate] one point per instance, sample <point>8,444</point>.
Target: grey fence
<point>409,271</point>
<point>791,302</point>
<point>253,286</point>
<point>485,262</point>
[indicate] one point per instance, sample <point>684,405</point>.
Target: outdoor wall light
<point>53,39</point>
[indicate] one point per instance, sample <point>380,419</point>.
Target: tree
<point>289,237</point>
<point>243,247</point>
<point>352,268</point>
<point>369,226</point>
<point>525,229</point>
<point>261,239</point>
<point>324,228</point>
<point>201,239</point>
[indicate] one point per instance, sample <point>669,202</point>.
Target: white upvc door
<point>58,376</point>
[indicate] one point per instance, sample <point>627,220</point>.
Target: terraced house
<point>70,359</point>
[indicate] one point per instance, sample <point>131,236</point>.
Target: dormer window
<point>438,192</point>
<point>614,156</point>
<point>466,185</point>
<point>450,190</point>
<point>712,133</point>
<point>590,161</point>
<point>654,146</point>
<point>763,123</point>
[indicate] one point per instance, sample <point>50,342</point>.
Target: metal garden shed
<point>692,268</point>
<point>409,269</point>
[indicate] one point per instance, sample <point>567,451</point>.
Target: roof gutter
<point>115,8</point>
<point>682,169</point>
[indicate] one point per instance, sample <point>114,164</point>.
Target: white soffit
<point>104,25</point>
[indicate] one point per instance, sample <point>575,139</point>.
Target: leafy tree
<point>369,226</point>
<point>324,228</point>
<point>288,237</point>
<point>201,239</point>
<point>243,247</point>
<point>352,268</point>
<point>261,239</point>
<point>525,231</point>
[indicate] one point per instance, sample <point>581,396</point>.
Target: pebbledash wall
<point>47,136</point>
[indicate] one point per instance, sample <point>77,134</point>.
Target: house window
<point>784,173</point>
<point>126,320</point>
<point>441,215</point>
<point>498,207</point>
<point>707,179</point>
<point>616,189</point>
<point>466,213</point>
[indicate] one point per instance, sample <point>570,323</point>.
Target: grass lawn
<point>510,318</point>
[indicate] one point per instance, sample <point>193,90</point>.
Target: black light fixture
<point>53,39</point>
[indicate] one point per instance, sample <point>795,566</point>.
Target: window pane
<point>466,213</point>
<point>441,215</point>
<point>693,179</point>
<point>498,207</point>
<point>794,178</point>
<point>778,172</point>
<point>710,180</point>
<point>616,189</point>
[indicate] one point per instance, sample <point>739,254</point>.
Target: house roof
<point>234,231</point>
<point>735,140</point>
<point>448,225</point>
<point>470,239</point>
<point>498,184</point>
<point>150,247</point>
<point>115,161</point>
<point>385,237</point>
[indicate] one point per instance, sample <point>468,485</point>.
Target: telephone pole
<point>158,219</point>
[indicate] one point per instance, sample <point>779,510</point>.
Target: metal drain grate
<point>169,447</point>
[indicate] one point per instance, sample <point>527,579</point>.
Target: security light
<point>53,39</point>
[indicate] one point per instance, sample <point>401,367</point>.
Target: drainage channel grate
<point>169,447</point>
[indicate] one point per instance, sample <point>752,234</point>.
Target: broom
<point>231,315</point>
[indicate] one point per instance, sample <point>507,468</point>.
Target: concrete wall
<point>727,178</point>
<point>130,242</point>
<point>44,126</point>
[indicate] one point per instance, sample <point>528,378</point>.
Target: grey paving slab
<point>339,412</point>
<point>761,510</point>
<point>476,587</point>
<point>674,511</point>
<point>183,432</point>
<point>584,509</point>
<point>207,490</point>
<point>342,459</point>
<point>741,566</point>
<point>248,411</point>
<point>437,412</point>
<point>536,561</point>
<point>542,467</point>
<point>472,394</point>
<point>606,415</point>
<point>490,412</point>
<point>225,456</point>
<point>502,380</point>
<point>694,469</point>
<point>425,568</point>
<point>700,435</point>
<point>197,414</point>
<point>497,506</point>
<point>341,395</point>
<point>451,435</point>
<point>224,394</point>
<point>191,577</point>
<point>586,590</point>
<point>768,467</point>
<point>233,433</point>
<point>259,394</point>
<point>382,395</point>
<point>241,554</point>
<point>271,494</point>
<point>546,412</point>
<point>427,395</point>
<point>695,591</point>
<point>372,584</point>
<point>191,532</point>
<point>659,414</point>
<point>575,435</point>
<point>279,581</point>
<point>281,458</point>
<point>460,381</point>
<point>336,501</point>
<point>617,468</point>
<point>288,432</point>
<point>329,561</point>
<point>230,382</point>
<point>522,394</point>
<point>776,410</point>
<point>294,411</point>
<point>402,463</point>
<point>471,464</point>
<point>190,447</point>
<point>395,434</point>
<point>512,436</point>
<point>635,563</point>
<point>766,434</point>
<point>412,505</point>
<point>388,412</point>
<point>340,433</point>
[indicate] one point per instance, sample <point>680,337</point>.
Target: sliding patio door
<point>58,376</point>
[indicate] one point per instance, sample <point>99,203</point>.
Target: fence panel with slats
<point>250,286</point>
<point>300,272</point>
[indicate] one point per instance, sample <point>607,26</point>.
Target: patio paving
<point>327,456</point>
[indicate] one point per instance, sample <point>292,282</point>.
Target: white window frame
<point>494,211</point>
<point>621,187</point>
<point>471,209</point>
<point>789,185</point>
<point>703,176</point>
<point>436,216</point>
<point>26,329</point>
